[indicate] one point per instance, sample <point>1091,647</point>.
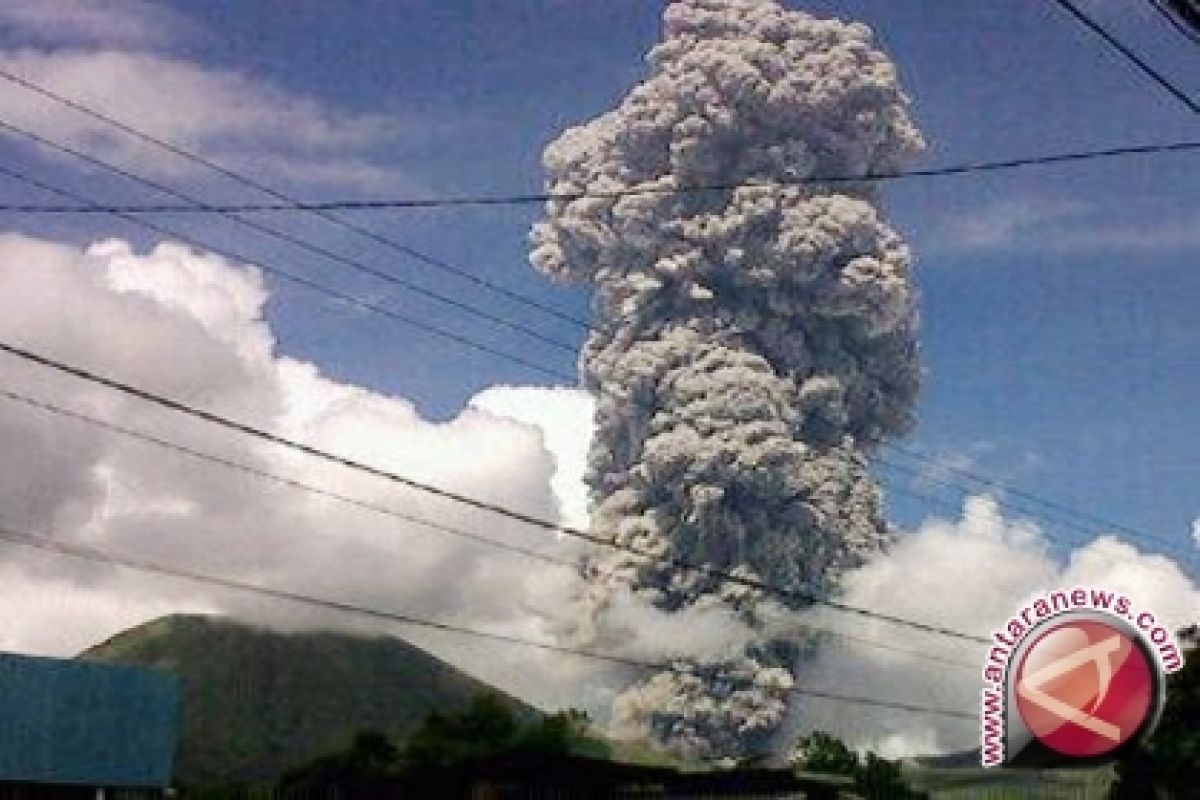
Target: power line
<point>495,508</point>
<point>378,238</point>
<point>483,505</point>
<point>1062,519</point>
<point>309,488</point>
<point>1176,23</point>
<point>386,312</point>
<point>283,236</point>
<point>534,199</point>
<point>201,207</point>
<point>1068,513</point>
<point>291,204</point>
<point>167,444</point>
<point>492,351</point>
<point>1062,509</point>
<point>1130,56</point>
<point>97,556</point>
<point>1184,558</point>
<point>307,283</point>
<point>530,364</point>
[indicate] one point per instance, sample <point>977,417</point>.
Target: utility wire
<point>274,233</point>
<point>498,509</point>
<point>309,488</point>
<point>507,356</point>
<point>956,509</point>
<point>1084,531</point>
<point>244,180</point>
<point>533,199</point>
<point>167,444</point>
<point>97,556</point>
<point>287,203</point>
<point>1176,23</point>
<point>483,505</point>
<point>1130,56</point>
<point>357,302</point>
<point>307,283</point>
<point>1068,514</point>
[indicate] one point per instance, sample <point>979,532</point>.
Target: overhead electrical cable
<point>299,280</point>
<point>378,508</point>
<point>283,236</point>
<point>259,186</point>
<point>519,360</point>
<point>99,556</point>
<point>257,472</point>
<point>1068,514</point>
<point>289,203</point>
<point>1085,536</point>
<point>533,199</point>
<point>1130,56</point>
<point>483,505</point>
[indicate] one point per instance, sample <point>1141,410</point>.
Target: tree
<point>362,770</point>
<point>564,732</point>
<point>874,776</point>
<point>486,727</point>
<point>821,752</point>
<point>1168,765</point>
<point>374,767</point>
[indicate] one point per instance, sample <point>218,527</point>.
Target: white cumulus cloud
<point>190,326</point>
<point>967,575</point>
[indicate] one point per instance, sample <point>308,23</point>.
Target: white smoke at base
<point>751,345</point>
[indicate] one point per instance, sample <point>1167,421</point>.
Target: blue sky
<point>1058,304</point>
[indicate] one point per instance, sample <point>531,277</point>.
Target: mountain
<point>258,702</point>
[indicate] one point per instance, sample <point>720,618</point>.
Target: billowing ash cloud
<point>752,344</point>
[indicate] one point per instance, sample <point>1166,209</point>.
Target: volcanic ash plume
<point>752,342</point>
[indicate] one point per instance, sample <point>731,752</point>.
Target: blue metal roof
<point>73,722</point>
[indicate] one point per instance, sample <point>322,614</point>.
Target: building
<point>80,729</point>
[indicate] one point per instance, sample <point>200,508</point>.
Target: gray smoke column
<point>752,344</point>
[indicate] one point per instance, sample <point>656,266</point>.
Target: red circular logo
<point>1084,688</point>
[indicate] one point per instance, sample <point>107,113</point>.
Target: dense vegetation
<point>1168,765</point>
<point>874,776</point>
<point>488,728</point>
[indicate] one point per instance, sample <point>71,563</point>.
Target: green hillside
<point>258,702</point>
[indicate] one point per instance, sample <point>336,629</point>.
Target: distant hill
<point>258,702</point>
